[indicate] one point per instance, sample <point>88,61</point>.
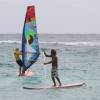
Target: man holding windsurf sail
<point>22,70</point>
<point>17,54</point>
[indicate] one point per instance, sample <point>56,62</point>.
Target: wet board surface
<point>57,87</point>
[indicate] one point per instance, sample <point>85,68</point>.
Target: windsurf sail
<point>30,45</point>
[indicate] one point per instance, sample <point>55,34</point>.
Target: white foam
<point>59,43</point>
<point>81,43</point>
<point>74,43</point>
<point>10,41</point>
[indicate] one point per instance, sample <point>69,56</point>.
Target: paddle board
<point>57,87</point>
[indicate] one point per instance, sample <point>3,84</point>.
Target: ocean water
<point>79,61</point>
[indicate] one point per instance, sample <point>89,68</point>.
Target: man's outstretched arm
<point>46,54</point>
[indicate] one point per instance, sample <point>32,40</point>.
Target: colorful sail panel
<point>30,46</point>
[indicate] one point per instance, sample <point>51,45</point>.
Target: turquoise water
<point>77,63</point>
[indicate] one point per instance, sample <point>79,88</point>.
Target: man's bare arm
<point>50,61</point>
<point>46,54</point>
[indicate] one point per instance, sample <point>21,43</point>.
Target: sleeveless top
<point>17,55</point>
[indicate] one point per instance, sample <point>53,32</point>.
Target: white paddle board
<point>57,87</point>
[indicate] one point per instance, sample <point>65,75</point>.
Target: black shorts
<point>19,62</point>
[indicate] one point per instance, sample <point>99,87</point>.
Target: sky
<point>53,16</point>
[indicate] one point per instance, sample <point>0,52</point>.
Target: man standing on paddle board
<point>54,71</point>
<point>17,54</point>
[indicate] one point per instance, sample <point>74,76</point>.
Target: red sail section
<point>30,14</point>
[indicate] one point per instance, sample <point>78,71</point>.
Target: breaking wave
<point>58,43</point>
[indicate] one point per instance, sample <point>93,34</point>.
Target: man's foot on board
<point>54,85</point>
<point>59,84</point>
<point>19,75</point>
<point>22,74</point>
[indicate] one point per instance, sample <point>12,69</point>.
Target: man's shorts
<point>54,73</point>
<point>19,62</point>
